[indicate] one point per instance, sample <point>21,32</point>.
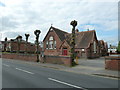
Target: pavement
<point>24,74</point>
<point>85,66</point>
<point>94,67</point>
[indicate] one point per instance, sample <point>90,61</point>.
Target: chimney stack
<point>76,30</point>
<point>88,29</point>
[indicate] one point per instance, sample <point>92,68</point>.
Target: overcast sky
<point>18,17</point>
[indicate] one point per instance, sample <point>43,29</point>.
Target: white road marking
<point>24,70</point>
<point>6,65</point>
<point>66,83</point>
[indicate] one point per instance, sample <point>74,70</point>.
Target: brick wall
<point>112,63</point>
<point>31,57</point>
<point>66,60</point>
<point>14,47</point>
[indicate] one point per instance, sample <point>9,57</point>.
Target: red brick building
<point>103,48</point>
<point>53,40</point>
<point>57,43</point>
<point>2,46</point>
<point>12,46</point>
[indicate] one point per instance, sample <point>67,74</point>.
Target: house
<point>2,46</point>
<point>53,41</point>
<point>57,43</point>
<point>103,48</point>
<point>112,49</point>
<point>12,45</point>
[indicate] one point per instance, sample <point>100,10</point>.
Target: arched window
<point>51,38</point>
<point>51,43</point>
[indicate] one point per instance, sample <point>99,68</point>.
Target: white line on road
<point>24,70</point>
<point>66,83</point>
<point>6,65</point>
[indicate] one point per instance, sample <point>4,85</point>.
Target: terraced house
<point>57,43</point>
<point>13,45</point>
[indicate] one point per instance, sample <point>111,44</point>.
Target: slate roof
<point>83,38</point>
<point>60,33</point>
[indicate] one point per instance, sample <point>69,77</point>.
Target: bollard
<point>76,60</point>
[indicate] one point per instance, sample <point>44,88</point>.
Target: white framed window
<point>47,45</point>
<point>51,38</point>
<point>50,44</point>
<point>54,44</point>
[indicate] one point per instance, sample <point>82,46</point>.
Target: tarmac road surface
<point>23,75</point>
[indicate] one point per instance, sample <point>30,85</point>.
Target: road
<point>16,74</point>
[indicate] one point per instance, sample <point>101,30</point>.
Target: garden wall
<point>66,60</point>
<point>26,57</point>
<point>112,63</point>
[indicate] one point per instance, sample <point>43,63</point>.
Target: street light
<point>19,38</point>
<point>37,33</point>
<point>26,35</point>
<point>42,51</point>
<point>74,24</point>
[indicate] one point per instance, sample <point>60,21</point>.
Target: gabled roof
<point>102,43</point>
<point>60,33</point>
<point>83,39</point>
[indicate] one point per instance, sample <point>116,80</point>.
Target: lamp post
<point>74,24</point>
<point>42,53</point>
<point>19,38</point>
<point>37,33</point>
<point>26,36</point>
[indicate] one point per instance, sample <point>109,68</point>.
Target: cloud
<point>25,16</point>
<point>112,39</point>
<point>8,23</point>
<point>2,4</point>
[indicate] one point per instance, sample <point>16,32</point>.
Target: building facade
<point>103,48</point>
<point>14,46</point>
<point>57,43</point>
<point>52,41</point>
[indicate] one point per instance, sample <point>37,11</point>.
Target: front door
<point>65,51</point>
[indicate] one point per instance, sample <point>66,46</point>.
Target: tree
<point>5,45</point>
<point>74,24</point>
<point>37,33</point>
<point>26,36</point>
<point>19,39</point>
<point>118,48</point>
